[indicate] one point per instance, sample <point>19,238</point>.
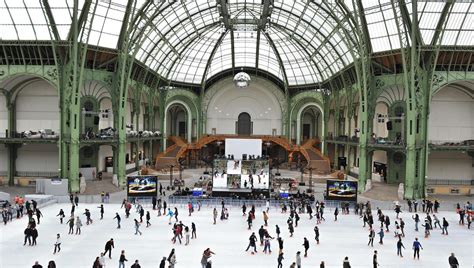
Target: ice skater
<point>381,235</point>
<point>193,230</point>
<point>57,244</point>
<point>453,261</point>
<point>61,215</point>
<point>101,211</point>
<point>252,243</point>
<point>416,248</point>
<point>172,259</point>
<point>399,248</point>
<point>371,237</point>
<point>445,226</point>
<point>374,259</point>
<point>88,216</point>
<point>416,218</point>
<point>265,218</point>
<point>291,229</point>
<point>267,245</point>
<point>117,216</point>
<point>206,255</point>
<point>316,234</point>
<point>122,259</point>
<point>108,247</point>
<point>277,230</point>
<point>78,225</point>
<point>306,247</point>
<point>280,259</point>
<point>186,235</point>
<point>137,227</point>
<point>148,217</point>
<point>336,212</point>
<point>170,215</point>
<point>71,224</point>
<point>214,215</point>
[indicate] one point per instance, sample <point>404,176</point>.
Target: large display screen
<point>241,174</point>
<point>240,147</point>
<point>142,185</point>
<point>341,190</point>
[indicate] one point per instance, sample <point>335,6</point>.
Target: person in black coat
<point>34,235</point>
<point>252,241</point>
<point>108,247</point>
<point>306,247</point>
<point>122,259</point>
<point>345,263</point>
<point>135,265</point>
<point>37,265</point>
<point>163,263</point>
<point>453,262</point>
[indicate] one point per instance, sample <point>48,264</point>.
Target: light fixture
<point>241,80</point>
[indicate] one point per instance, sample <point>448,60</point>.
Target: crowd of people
<point>294,207</point>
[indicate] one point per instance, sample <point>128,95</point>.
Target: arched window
<point>244,124</point>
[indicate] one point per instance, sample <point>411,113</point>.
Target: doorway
<point>244,124</point>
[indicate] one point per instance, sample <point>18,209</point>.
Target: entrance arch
<point>244,124</point>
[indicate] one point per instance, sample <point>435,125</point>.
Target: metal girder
<point>440,26</point>
<point>126,17</point>
<point>224,13</point>
<point>411,25</point>
<point>266,12</point>
<point>208,63</point>
<point>80,22</point>
<point>51,21</point>
<point>365,30</point>
<point>280,61</point>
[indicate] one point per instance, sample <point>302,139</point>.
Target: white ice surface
<point>228,239</point>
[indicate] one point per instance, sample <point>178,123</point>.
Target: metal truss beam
<point>208,63</point>
<point>442,19</point>
<point>280,61</point>
<point>51,21</point>
<point>411,25</point>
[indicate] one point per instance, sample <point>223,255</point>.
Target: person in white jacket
<point>57,245</point>
<point>78,225</point>
<point>102,259</point>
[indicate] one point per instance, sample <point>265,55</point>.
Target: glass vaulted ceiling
<point>301,42</point>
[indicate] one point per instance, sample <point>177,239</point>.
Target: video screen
<point>341,190</point>
<point>142,185</point>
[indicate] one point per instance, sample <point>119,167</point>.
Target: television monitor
<point>142,186</point>
<point>341,190</point>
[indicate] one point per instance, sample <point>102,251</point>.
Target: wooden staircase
<point>180,147</point>
<point>315,158</point>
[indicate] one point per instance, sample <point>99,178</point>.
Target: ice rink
<point>228,239</point>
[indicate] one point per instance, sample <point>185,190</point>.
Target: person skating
<point>345,263</point>
<point>135,265</point>
<point>453,261</point>
<point>375,261</point>
<point>108,247</point>
<point>298,259</point>
<point>186,235</point>
<point>306,247</point>
<point>214,215</point>
<point>206,255</point>
<point>402,227</point>
<point>148,217</point>
<point>176,214</point>
<point>71,224</point>
<point>381,235</point>
<point>193,230</point>
<point>416,218</point>
<point>291,229</point>
<point>170,215</point>
<point>172,259</point>
<point>249,221</point>
<point>142,213</point>
<point>164,207</point>
<point>436,222</point>
<point>61,215</point>
<point>280,259</point>
<point>102,259</point>
<point>38,215</point>
<point>101,211</point>
<point>316,234</point>
<point>28,234</point>
<point>76,200</point>
<point>96,263</point>
<point>88,216</point>
<point>399,248</point>
<point>137,227</point>
<point>37,265</point>
<point>267,245</point>
<point>336,212</point>
<point>309,210</point>
<point>122,259</point>
<point>78,225</point>
<point>244,210</point>
<point>252,242</point>
<point>51,264</point>
<point>371,237</point>
<point>387,223</point>
<point>427,228</point>
<point>163,263</point>
<point>57,244</point>
<point>297,218</point>
<point>34,235</point>
<point>445,226</point>
<point>416,248</point>
<point>280,245</point>
<point>265,218</point>
<point>117,216</point>
<point>261,233</point>
<point>277,230</point>
<point>176,234</point>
